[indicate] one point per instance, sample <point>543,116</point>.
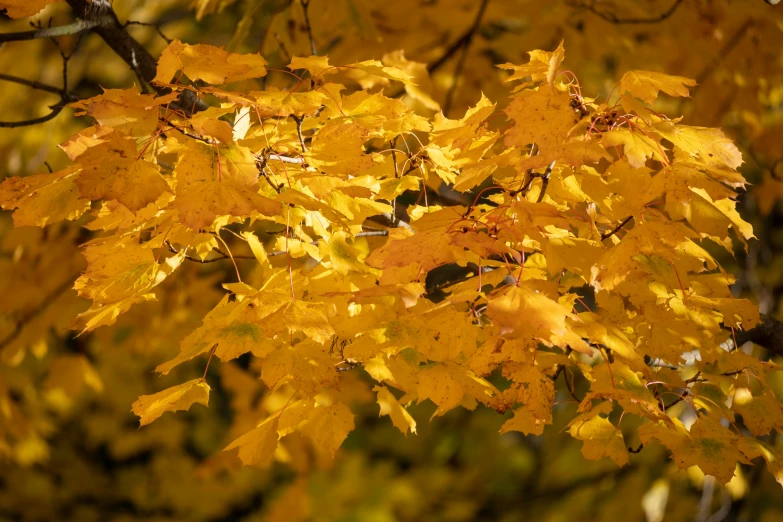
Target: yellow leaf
<point>23,8</point>
<point>180,397</point>
<point>338,149</point>
<point>377,68</point>
<point>113,170</point>
<point>711,146</point>
<point>314,64</point>
<point>645,85</point>
<point>306,367</point>
<point>601,438</point>
<point>523,421</point>
<point>207,63</point>
<point>543,117</point>
<point>554,62</point>
<point>709,445</point>
<point>637,146</point>
<point>257,446</point>
<point>43,198</point>
<point>217,181</point>
<point>400,417</point>
<point>524,312</point>
<point>328,426</point>
<point>256,247</point>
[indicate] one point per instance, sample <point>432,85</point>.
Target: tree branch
<point>468,38</point>
<point>545,184</point>
<point>767,334</point>
<point>32,314</point>
<point>617,228</point>
<point>125,46</point>
<point>612,18</point>
<point>465,39</point>
<point>77,27</point>
<point>305,8</point>
<point>222,255</point>
<point>56,109</point>
<point>33,84</point>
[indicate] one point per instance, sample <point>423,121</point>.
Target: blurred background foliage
<point>69,446</point>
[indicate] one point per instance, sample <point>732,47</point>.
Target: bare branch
<point>617,228</point>
<point>463,40</point>
<point>612,18</point>
<point>544,186</point>
<point>116,36</point>
<point>768,334</point>
<point>51,32</point>
<point>466,41</point>
<point>56,109</point>
<point>222,255</point>
<point>305,8</point>
<point>33,313</point>
<point>286,159</point>
<point>35,85</point>
<point>155,26</point>
<point>299,122</point>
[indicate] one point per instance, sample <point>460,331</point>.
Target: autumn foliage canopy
<point>355,232</point>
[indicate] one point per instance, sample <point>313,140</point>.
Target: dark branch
<point>305,8</point>
<point>155,26</point>
<point>56,109</point>
<point>617,228</point>
<point>50,32</point>
<point>468,38</point>
<point>125,46</point>
<point>222,255</point>
<point>299,122</point>
<point>546,175</point>
<point>767,334</point>
<point>33,313</point>
<point>611,17</point>
<point>465,40</point>
<point>36,85</point>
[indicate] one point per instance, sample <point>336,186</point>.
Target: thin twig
<point>305,8</point>
<point>611,17</point>
<point>146,24</point>
<point>222,255</point>
<point>617,228</point>
<point>32,314</point>
<point>286,159</point>
<point>56,109</point>
<point>50,32</point>
<point>299,131</point>
<point>209,360</point>
<point>35,85</point>
<point>545,184</point>
<point>463,40</point>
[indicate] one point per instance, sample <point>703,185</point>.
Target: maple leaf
<point>24,8</point>
<point>708,445</point>
<point>601,438</point>
<point>328,426</point>
<point>208,63</point>
<point>400,417</point>
<point>543,117</point>
<point>523,421</point>
<point>217,181</point>
<point>180,397</point>
<point>125,110</point>
<point>645,85</point>
<point>257,446</point>
<point>638,147</point>
<point>113,170</point>
<point>43,198</point>
<point>525,312</point>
